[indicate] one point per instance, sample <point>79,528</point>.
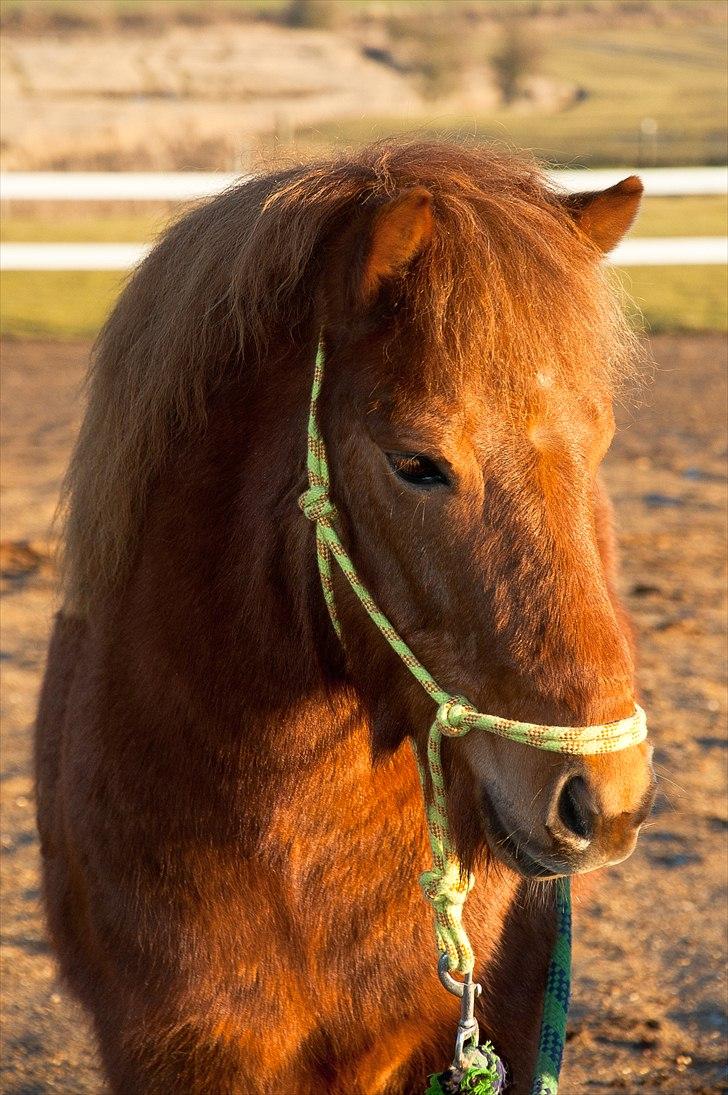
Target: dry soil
<point>649,994</point>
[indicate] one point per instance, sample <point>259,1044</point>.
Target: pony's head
<point>472,352</point>
<point>472,348</point>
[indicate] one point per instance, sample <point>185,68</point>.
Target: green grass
<point>59,305</point>
<point>677,298</point>
<point>692,216</point>
<point>77,226</point>
<point>673,73</point>
<point>56,304</point>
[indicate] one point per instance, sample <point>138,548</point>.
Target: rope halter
<point>445,885</point>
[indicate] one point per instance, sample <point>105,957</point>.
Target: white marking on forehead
<point>544,380</point>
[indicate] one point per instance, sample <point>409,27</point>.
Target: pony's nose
<point>583,827</point>
<point>576,813</point>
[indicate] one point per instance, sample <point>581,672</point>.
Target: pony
<point>231,823</point>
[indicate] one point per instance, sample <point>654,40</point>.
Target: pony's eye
<point>416,469</point>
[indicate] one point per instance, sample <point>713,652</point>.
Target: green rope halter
<point>445,885</point>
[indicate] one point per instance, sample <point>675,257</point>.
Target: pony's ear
<point>605,215</point>
<point>401,228</point>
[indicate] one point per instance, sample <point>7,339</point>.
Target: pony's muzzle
<point>595,815</point>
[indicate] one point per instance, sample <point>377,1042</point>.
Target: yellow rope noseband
<point>445,885</point>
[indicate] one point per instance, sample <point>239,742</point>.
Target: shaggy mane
<point>506,267</point>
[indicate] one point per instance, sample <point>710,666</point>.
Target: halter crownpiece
<point>446,885</point>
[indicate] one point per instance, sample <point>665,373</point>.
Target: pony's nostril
<point>576,809</point>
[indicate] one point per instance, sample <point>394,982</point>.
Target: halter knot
<point>451,717</point>
<point>446,887</point>
<point>316,504</point>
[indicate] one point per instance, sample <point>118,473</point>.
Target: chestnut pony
<point>232,827</point>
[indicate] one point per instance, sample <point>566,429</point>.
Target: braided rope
<point>556,1000</point>
<point>445,885</point>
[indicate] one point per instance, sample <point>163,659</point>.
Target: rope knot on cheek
<point>452,717</point>
<point>316,504</point>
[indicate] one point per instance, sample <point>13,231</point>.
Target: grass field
<point>694,216</point>
<point>27,15</point>
<point>56,304</point>
<point>673,76</point>
<point>67,305</point>
<point>635,68</point>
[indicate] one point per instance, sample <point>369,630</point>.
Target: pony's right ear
<point>400,230</point>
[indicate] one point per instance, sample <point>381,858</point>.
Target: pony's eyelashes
<point>418,470</point>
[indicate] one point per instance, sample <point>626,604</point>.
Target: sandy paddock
<point>649,1010</point>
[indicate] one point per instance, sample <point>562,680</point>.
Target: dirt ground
<point>649,998</point>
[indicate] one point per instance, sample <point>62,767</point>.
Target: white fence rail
<point>181,186</point>
<point>188,186</point>
<point>71,256</point>
<point>672,251</point>
<point>680,251</point>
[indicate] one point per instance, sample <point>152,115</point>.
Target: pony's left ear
<point>606,215</point>
<point>401,228</point>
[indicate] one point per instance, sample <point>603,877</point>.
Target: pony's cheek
<point>492,764</point>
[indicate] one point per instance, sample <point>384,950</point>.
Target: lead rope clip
<point>468,1032</point>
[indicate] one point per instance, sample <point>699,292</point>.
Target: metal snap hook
<point>457,988</point>
<point>468,1032</point>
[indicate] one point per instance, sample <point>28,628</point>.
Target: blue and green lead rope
<point>556,999</point>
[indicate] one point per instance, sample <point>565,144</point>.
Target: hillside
<point>122,86</point>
